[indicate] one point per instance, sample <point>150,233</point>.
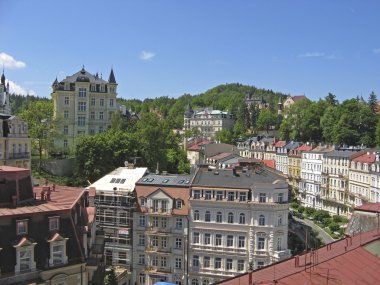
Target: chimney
<point>46,189</point>
<point>53,188</point>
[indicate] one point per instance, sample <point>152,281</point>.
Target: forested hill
<point>223,97</point>
<point>20,102</point>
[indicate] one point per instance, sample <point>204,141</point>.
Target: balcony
<point>150,230</point>
<point>156,269</point>
<point>151,210</point>
<point>20,155</point>
<point>234,250</point>
<point>282,254</point>
<point>158,249</point>
<point>262,252</point>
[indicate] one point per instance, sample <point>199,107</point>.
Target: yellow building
<point>294,166</point>
<point>86,103</point>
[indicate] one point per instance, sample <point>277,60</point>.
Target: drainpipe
<point>187,249</point>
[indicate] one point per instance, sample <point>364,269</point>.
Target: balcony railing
<point>282,254</point>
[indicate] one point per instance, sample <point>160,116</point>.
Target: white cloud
<point>312,54</point>
<point>17,89</point>
<point>147,55</point>
<point>376,50</point>
<point>9,62</point>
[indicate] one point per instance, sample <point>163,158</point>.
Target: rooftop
<point>163,180</point>
<point>370,207</point>
<point>354,260</point>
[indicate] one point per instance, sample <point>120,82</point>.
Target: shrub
<point>334,227</point>
<point>294,205</point>
<point>301,209</point>
<point>319,215</point>
<point>309,211</point>
<point>326,221</point>
<point>340,219</point>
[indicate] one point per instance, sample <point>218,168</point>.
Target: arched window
<point>196,215</point>
<point>230,218</point>
<point>194,282</point>
<point>242,218</point>
<point>262,220</point>
<point>208,216</point>
<point>219,217</point>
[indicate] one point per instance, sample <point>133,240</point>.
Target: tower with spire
<point>5,106</point>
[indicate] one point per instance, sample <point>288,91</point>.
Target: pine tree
<point>372,102</point>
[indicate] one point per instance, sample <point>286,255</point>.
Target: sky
<point>169,48</point>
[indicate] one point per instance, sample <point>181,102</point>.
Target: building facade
<point>238,221</point>
<point>207,121</point>
<point>161,229</point>
<point>85,103</point>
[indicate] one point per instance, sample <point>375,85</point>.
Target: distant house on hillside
<point>290,100</point>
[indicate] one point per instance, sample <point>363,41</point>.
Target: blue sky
<point>168,48</point>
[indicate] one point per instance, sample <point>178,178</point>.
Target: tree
<point>372,102</point>
<point>331,99</point>
<point>266,121</point>
<point>224,136</point>
<point>42,125</point>
<point>328,121</point>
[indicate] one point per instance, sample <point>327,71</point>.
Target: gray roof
<point>226,178</point>
<point>165,180</point>
<point>111,78</point>
<point>84,76</point>
<point>292,145</point>
<point>339,153</point>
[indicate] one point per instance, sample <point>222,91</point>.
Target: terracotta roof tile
<point>365,158</point>
<point>370,207</point>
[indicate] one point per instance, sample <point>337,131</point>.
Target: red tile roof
<point>280,144</point>
<point>370,207</point>
<point>347,261</point>
<point>197,146</point>
<point>298,97</point>
<point>365,158</point>
<point>63,198</point>
<point>304,147</point>
<point>269,163</point>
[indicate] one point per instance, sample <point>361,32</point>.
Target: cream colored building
<point>85,102</point>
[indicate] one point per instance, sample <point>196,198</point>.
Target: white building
<point>282,156</point>
<point>311,177</point>
<point>160,229</point>
<point>207,121</point>
<point>114,199</point>
<point>238,221</point>
<point>375,180</point>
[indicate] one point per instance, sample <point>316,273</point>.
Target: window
<point>92,101</point>
<point>219,217</point>
<point>65,143</point>
<point>155,261</point>
<point>230,196</point>
<point>155,205</point>
<point>141,240</point>
<point>65,114</point>
<point>178,223</point>
<point>22,227</point>
<point>65,130</point>
<point>178,204</point>
<point>142,279</point>
<point>207,195</point>
<point>206,261</point>
<point>261,220</point>
<point>53,223</point>
<point>195,237</point>
<point>163,261</point>
<point>207,216</point>
<point>230,218</point>
<point>142,201</point>
<point>194,282</point>
<point>243,197</point>
<point>197,194</point>
<point>101,102</point>
<point>163,242</point>
<point>261,243</point>
<point>196,215</point>
<point>164,206</point>
<point>142,221</point>
<point>111,102</point>
<point>205,282</point>
<point>240,265</point>
<point>67,101</point>
<point>260,264</point>
<point>141,259</point>
<point>230,240</point>
<point>229,264</point>
<point>195,261</point>
<point>242,218</point>
<point>178,243</point>
<point>178,263</point>
<point>57,254</point>
<point>92,115</point>
<point>81,106</point>
<point>25,257</point>
<point>280,197</point>
<point>207,239</point>
<point>155,222</point>
<point>163,222</point>
<point>155,241</point>
<point>219,195</point>
<point>218,263</point>
<point>101,115</point>
<point>279,220</point>
<point>81,121</point>
<point>82,92</point>
<point>218,239</point>
<point>241,241</point>
<point>262,198</point>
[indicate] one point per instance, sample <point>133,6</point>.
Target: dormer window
<point>142,203</point>
<point>53,223</point>
<point>22,227</point>
<point>179,204</point>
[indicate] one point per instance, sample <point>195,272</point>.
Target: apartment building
<point>207,121</point>
<point>334,188</point>
<point>359,184</point>
<point>311,177</point>
<point>44,232</point>
<point>160,245</point>
<point>294,165</point>
<point>282,156</point>
<point>375,180</point>
<point>85,102</point>
<point>238,221</point>
<point>14,142</point>
<point>114,201</point>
